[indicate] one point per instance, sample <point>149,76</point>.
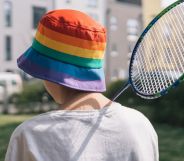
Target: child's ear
<point>55,91</point>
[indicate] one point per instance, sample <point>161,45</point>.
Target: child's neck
<point>86,101</point>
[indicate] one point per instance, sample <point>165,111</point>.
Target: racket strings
<point>168,57</point>
<point>150,76</point>
<point>158,63</point>
<point>154,84</point>
<point>159,59</point>
<point>177,41</point>
<point>181,36</point>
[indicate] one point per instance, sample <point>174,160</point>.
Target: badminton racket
<point>157,61</point>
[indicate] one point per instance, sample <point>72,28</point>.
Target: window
<point>113,23</point>
<point>92,3</point>
<point>8,13</point>
<point>38,12</point>
<point>113,20</point>
<point>132,25</point>
<point>94,16</point>
<point>136,2</point>
<point>9,70</point>
<point>68,1</point>
<point>114,75</point>
<point>14,83</point>
<point>8,48</point>
<point>123,74</point>
<point>167,31</point>
<point>114,51</point>
<point>2,82</point>
<point>132,29</point>
<point>168,55</point>
<point>131,47</point>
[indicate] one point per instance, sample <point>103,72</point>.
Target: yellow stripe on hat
<point>68,49</point>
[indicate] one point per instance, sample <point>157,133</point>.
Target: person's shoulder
<point>128,112</point>
<point>28,125</point>
<point>138,129</point>
<point>135,121</point>
<point>133,118</point>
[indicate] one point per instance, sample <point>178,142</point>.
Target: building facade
<point>18,21</point>
<point>124,25</point>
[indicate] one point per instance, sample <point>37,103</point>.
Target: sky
<point>166,3</point>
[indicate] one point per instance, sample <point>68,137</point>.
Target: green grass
<point>7,124</point>
<point>171,143</point>
<point>171,139</point>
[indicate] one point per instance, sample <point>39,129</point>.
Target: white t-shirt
<point>114,133</point>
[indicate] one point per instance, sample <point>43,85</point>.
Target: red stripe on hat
<point>72,28</point>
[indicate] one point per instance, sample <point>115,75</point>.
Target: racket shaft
<point>123,88</point>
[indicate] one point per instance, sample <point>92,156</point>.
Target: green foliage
<point>167,109</point>
<point>170,108</point>
<point>33,99</point>
<point>32,92</point>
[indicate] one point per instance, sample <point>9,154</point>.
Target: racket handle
<point>123,88</point>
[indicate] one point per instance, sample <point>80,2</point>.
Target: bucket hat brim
<point>43,67</point>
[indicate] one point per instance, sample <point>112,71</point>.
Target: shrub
<point>33,94</point>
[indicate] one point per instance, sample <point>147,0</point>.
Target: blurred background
<point>22,96</point>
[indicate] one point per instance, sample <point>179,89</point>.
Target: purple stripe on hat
<point>60,78</point>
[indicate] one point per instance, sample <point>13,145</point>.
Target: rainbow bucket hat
<point>68,49</point>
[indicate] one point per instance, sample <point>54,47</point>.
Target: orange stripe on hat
<point>91,45</point>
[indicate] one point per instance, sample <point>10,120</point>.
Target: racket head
<point>149,77</point>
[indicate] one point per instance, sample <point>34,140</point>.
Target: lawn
<point>171,139</point>
<point>7,124</point>
<point>171,142</point>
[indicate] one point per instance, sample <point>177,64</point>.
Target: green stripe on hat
<point>75,60</point>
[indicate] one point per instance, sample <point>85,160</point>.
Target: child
<point>67,54</point>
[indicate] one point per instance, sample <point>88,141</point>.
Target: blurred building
<point>151,8</point>
<point>18,20</point>
<point>94,8</point>
<point>124,24</point>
